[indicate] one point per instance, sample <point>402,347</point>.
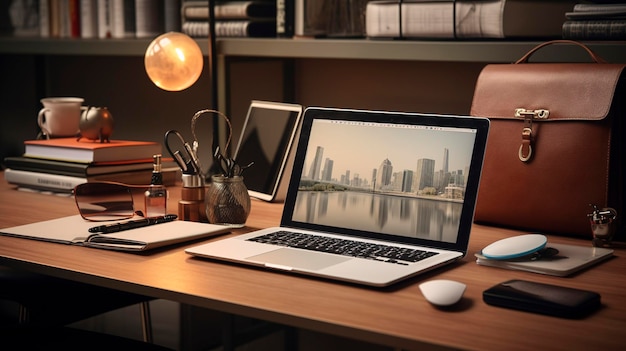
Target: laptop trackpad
<point>307,260</point>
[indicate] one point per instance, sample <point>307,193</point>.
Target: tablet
<point>266,139</point>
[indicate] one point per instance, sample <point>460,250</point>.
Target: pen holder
<point>191,206</point>
<point>227,201</point>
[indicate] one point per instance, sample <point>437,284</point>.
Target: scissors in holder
<point>229,167</point>
<point>186,159</point>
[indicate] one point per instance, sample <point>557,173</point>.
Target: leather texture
<point>577,151</point>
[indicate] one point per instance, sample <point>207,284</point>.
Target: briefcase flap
<point>567,91</point>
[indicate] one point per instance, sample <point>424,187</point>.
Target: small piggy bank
<point>96,123</point>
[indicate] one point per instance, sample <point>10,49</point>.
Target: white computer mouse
<point>442,292</point>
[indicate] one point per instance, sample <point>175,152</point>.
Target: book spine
<point>122,18</point>
<point>311,17</point>
<point>42,181</point>
<point>435,20</point>
<point>118,20</point>
<point>44,18</point>
<point>229,10</point>
<point>43,166</point>
<point>231,28</point>
<point>171,15</point>
<point>284,18</point>
<point>54,8</point>
<point>64,19</point>
<point>74,18</point>
<point>88,19</point>
<point>599,7</point>
<point>104,19</point>
<point>595,30</point>
<point>298,17</point>
<point>149,18</point>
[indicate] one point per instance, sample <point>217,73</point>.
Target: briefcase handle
<point>593,55</point>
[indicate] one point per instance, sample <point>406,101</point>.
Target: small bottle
<point>156,195</point>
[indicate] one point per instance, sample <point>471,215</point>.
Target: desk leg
<point>146,322</point>
<point>228,333</point>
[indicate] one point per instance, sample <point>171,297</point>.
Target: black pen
<point>144,222</point>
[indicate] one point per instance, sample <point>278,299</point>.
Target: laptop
<point>374,198</point>
<point>267,136</point>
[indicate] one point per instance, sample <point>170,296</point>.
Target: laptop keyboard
<point>386,253</point>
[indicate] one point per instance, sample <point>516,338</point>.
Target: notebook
<point>74,230</point>
<point>266,139</point>
<point>374,198</point>
<point>569,260</point>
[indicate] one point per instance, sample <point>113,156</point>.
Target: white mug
<point>60,116</point>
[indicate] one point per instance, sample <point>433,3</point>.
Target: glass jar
<point>227,201</point>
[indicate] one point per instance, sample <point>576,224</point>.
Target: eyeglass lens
<point>104,201</point>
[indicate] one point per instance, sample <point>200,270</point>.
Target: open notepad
<point>75,230</point>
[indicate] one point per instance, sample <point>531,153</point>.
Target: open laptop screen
<point>380,174</point>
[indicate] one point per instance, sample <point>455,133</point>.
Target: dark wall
<point>144,112</point>
<point>140,110</point>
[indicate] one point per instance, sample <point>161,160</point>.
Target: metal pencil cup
<point>227,201</point>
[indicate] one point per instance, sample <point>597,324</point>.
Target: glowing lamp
<point>173,61</point>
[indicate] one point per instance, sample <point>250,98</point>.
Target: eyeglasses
<point>106,201</point>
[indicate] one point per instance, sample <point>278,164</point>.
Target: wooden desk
<point>397,316</point>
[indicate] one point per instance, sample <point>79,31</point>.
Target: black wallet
<point>542,298</point>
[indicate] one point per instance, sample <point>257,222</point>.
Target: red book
<point>74,18</point>
<point>87,151</point>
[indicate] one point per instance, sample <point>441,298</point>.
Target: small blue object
<point>515,247</point>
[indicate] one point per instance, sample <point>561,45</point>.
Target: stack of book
<point>104,19</point>
<point>495,19</point>
<point>596,22</point>
<point>58,165</point>
<point>255,18</point>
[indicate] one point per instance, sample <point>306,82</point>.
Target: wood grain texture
<point>397,316</point>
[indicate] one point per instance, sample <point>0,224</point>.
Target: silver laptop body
<point>391,195</point>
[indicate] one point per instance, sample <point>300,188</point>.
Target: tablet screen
<point>266,139</point>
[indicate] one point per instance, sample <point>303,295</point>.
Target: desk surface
<point>397,316</point>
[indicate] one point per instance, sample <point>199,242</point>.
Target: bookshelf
<point>375,74</point>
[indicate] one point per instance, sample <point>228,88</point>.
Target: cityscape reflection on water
<point>405,216</point>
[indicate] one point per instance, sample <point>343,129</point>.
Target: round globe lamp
<point>173,61</point>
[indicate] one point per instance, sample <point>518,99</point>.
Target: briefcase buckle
<point>532,114</point>
<point>526,148</point>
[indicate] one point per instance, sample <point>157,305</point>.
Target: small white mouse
<point>442,292</point>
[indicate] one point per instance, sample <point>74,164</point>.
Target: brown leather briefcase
<point>556,145</point>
